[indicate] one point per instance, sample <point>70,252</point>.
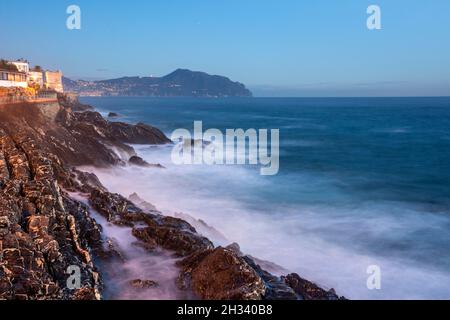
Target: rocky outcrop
<point>71,102</point>
<point>78,138</point>
<point>308,290</point>
<point>143,284</point>
<point>46,234</point>
<point>141,203</point>
<point>152,229</point>
<point>226,274</point>
<point>219,274</point>
<point>42,231</point>
<point>138,161</point>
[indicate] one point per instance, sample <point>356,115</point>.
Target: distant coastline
<point>180,83</point>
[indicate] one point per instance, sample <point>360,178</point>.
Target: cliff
<point>44,230</point>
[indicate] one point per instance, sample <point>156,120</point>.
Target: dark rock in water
<point>308,290</point>
<point>137,134</point>
<point>267,266</point>
<point>138,161</point>
<point>202,227</point>
<point>235,248</point>
<point>85,181</point>
<point>143,284</point>
<point>276,288</point>
<point>113,115</point>
<point>141,203</point>
<point>220,274</point>
<point>172,237</point>
<point>167,232</point>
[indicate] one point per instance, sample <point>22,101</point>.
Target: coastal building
<point>53,80</point>
<point>11,79</point>
<point>22,66</point>
<point>36,79</point>
<point>19,74</point>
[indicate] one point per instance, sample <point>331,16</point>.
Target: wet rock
<point>137,134</point>
<point>141,203</point>
<point>308,290</point>
<point>113,115</point>
<point>85,294</point>
<point>182,242</point>
<point>86,181</point>
<point>115,208</point>
<point>4,226</point>
<point>138,161</point>
<point>276,288</point>
<point>220,274</point>
<point>143,284</point>
<point>153,229</point>
<point>203,228</point>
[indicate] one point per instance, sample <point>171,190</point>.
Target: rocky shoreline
<point>44,229</point>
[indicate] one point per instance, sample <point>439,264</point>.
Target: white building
<point>10,79</point>
<point>22,66</point>
<point>36,78</point>
<point>53,80</point>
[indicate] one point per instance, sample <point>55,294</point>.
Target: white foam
<point>140,264</point>
<point>321,243</point>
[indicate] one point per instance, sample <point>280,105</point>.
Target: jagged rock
<point>85,294</point>
<point>77,138</point>
<point>276,288</point>
<point>71,101</point>
<point>143,284</point>
<point>202,227</point>
<point>220,274</point>
<point>141,203</point>
<point>138,134</point>
<point>85,181</point>
<point>36,242</point>
<point>224,273</point>
<point>167,232</point>
<point>138,161</point>
<point>180,241</point>
<point>308,290</point>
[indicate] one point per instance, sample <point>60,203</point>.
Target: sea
<point>363,185</point>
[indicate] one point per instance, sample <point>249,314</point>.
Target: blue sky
<point>277,48</point>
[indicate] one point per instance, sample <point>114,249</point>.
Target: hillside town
<point>19,74</point>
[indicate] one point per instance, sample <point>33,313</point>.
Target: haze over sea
<point>362,181</point>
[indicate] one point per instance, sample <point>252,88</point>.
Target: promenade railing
<point>41,97</point>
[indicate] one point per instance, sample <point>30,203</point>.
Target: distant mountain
<point>180,83</point>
